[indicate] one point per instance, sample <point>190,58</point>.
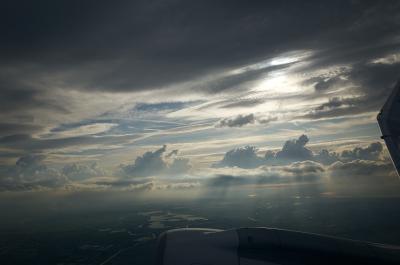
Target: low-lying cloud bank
<point>31,172</point>
<point>295,150</point>
<point>295,162</point>
<point>302,171</point>
<point>165,170</point>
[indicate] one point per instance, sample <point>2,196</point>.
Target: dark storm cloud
<point>12,128</point>
<point>370,83</point>
<point>376,79</point>
<point>140,45</point>
<point>21,89</point>
<point>371,100</point>
<point>13,96</point>
<point>145,44</point>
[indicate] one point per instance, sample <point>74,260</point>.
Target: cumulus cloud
<point>30,162</point>
<point>179,166</point>
<point>243,157</point>
<point>292,150</point>
<point>295,162</point>
<point>296,150</point>
<point>374,151</point>
<point>326,157</point>
<point>172,153</point>
<point>155,163</point>
<point>30,172</point>
<point>81,171</point>
<point>150,163</point>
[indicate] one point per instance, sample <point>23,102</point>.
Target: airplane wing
<point>389,123</point>
<point>267,246</point>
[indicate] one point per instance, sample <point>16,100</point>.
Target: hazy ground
<point>122,227</point>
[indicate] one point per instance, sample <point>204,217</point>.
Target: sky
<point>157,95</point>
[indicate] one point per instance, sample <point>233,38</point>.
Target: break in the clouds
<point>100,83</point>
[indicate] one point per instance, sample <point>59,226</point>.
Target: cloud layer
<point>162,170</point>
<point>203,77</point>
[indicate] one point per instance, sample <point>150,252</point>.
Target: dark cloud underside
<point>153,43</point>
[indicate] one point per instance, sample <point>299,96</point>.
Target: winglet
<point>389,123</point>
